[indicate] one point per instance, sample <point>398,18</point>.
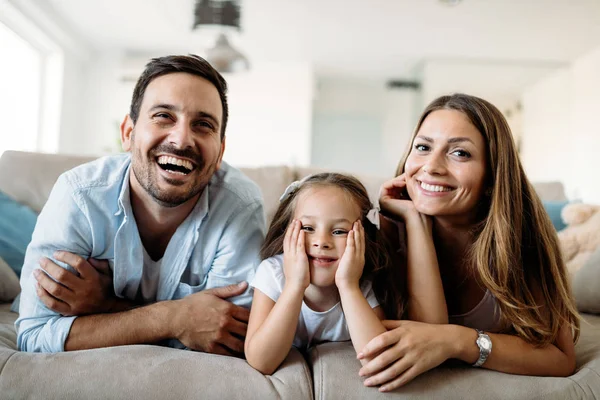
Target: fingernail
<point>243,283</point>
<point>57,254</point>
<point>37,285</point>
<point>368,382</point>
<point>36,272</point>
<point>360,355</point>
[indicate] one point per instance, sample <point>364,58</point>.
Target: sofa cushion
<point>9,283</point>
<point>554,210</point>
<point>29,177</point>
<point>586,285</point>
<point>16,227</point>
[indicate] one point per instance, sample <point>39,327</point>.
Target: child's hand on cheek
<point>352,262</point>
<point>295,261</point>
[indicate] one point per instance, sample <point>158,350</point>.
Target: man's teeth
<point>175,161</point>
<point>435,188</point>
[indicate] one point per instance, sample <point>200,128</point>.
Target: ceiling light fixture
<point>225,16</point>
<point>450,3</point>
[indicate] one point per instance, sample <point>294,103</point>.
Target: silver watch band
<point>484,342</point>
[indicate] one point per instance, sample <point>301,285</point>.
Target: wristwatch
<point>484,342</point>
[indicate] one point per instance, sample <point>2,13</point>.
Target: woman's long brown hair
<point>385,277</point>
<point>515,253</point>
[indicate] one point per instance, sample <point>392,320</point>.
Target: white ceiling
<point>356,37</point>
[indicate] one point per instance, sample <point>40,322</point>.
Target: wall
<point>561,131</point>
<point>361,126</point>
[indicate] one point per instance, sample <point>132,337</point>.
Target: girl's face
<point>446,168</point>
<point>327,214</point>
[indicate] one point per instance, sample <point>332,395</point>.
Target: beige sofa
<point>329,371</point>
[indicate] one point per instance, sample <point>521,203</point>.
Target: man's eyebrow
<point>171,107</point>
<point>203,114</point>
<point>164,106</point>
<point>451,140</point>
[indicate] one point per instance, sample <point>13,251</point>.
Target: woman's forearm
<point>513,355</point>
<point>426,301</point>
<point>272,341</point>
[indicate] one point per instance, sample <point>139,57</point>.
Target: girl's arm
<point>426,300</point>
<point>364,322</point>
<point>272,325</point>
<point>410,348</point>
<point>271,328</point>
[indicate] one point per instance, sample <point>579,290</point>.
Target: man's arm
<point>62,225</point>
<point>238,253</point>
<point>203,321</point>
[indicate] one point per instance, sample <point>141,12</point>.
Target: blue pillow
<point>554,208</point>
<point>16,227</point>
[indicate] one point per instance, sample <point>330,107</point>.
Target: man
<point>181,230</point>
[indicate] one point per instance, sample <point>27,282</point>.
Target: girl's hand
<point>295,261</point>
<point>393,198</point>
<point>408,349</point>
<point>352,262</point>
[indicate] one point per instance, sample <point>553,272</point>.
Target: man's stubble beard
<point>148,179</point>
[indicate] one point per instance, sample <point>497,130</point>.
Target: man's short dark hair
<point>191,64</point>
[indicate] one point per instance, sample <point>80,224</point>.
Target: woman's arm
<point>272,327</point>
<point>411,348</point>
<point>426,300</point>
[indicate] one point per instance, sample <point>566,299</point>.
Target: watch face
<point>484,342</point>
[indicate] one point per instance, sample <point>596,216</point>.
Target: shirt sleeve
<point>269,279</point>
<point>238,252</point>
<point>62,225</point>
<point>367,289</point>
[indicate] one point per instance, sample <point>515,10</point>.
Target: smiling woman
<point>482,254</point>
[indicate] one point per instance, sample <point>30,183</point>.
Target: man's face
<point>176,143</point>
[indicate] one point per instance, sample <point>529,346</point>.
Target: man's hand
<point>205,321</point>
<point>68,294</point>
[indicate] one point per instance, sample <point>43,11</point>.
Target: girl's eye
<point>421,147</point>
<point>461,153</point>
<point>307,228</point>
<point>340,232</point>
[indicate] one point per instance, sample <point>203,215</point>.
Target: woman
<point>482,255</point>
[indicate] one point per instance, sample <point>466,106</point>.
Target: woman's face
<point>446,168</point>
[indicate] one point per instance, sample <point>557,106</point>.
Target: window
<point>20,92</point>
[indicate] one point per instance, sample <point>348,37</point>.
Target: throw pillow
<point>16,227</point>
<point>586,285</point>
<point>554,209</point>
<point>9,283</point>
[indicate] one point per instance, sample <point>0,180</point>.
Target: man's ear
<point>221,155</point>
<point>126,132</point>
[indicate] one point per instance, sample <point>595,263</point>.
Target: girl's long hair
<point>515,253</point>
<point>379,269</point>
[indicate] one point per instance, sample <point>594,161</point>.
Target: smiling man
<point>178,228</point>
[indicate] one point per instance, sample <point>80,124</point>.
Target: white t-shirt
<point>313,327</point>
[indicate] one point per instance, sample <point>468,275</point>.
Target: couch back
<point>29,177</point>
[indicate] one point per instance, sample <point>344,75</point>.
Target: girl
<point>482,255</point>
<point>324,263</point>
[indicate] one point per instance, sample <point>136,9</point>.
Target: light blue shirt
<point>89,213</point>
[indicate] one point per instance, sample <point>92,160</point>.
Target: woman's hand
<point>394,200</point>
<point>295,261</point>
<point>352,262</point>
<point>407,350</point>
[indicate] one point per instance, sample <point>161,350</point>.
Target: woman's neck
<point>451,243</point>
<point>321,298</point>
